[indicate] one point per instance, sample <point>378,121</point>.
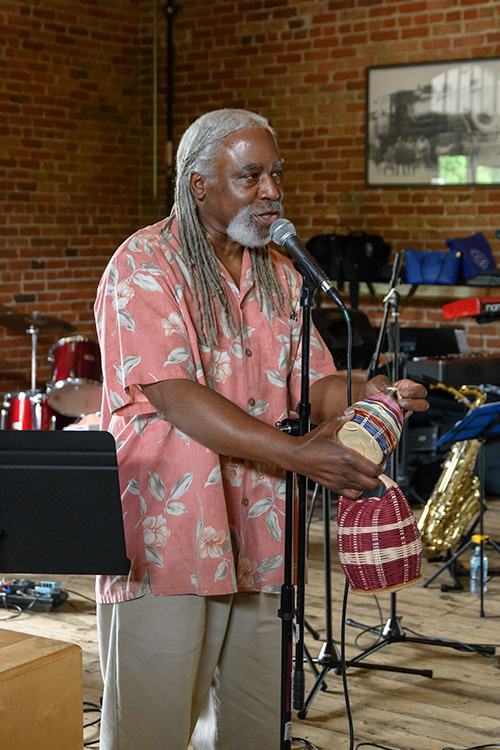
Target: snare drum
<point>76,386</point>
<point>29,410</point>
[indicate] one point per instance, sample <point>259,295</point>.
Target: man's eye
<point>277,175</point>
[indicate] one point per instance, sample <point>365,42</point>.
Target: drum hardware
<point>21,322</point>
<point>27,410</point>
<point>34,324</point>
<point>32,409</point>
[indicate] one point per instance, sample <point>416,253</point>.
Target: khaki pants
<point>168,661</point>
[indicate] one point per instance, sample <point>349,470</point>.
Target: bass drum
<point>30,410</point>
<point>76,386</point>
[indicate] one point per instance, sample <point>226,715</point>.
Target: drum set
<point>76,384</point>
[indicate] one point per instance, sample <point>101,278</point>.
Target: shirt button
<point>245,501</point>
<point>248,352</point>
<point>251,401</point>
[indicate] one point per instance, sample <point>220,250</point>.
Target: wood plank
<point>457,707</point>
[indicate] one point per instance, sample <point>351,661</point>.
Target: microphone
<point>283,233</point>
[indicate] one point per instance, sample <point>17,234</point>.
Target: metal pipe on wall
<point>170,11</point>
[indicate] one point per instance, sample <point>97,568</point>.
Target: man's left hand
<point>412,395</point>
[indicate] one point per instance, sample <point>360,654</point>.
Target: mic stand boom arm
<point>388,301</point>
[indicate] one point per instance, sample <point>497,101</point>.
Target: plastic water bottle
<point>475,571</point>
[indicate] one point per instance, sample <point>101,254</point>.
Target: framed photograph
<point>433,124</point>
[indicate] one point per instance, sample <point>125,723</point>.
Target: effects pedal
<point>26,594</point>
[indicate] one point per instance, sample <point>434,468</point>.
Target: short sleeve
<point>141,326</point>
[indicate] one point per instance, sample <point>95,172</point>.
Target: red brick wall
<point>303,65</point>
<point>75,159</point>
<point>76,126</point>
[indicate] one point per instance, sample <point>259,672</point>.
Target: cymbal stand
<point>33,331</point>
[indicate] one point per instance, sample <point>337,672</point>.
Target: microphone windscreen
<point>280,230</point>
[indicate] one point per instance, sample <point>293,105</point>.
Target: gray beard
<point>244,231</point>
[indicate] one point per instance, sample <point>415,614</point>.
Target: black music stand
<point>60,509</point>
<point>479,424</point>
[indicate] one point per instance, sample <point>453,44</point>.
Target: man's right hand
<point>324,459</point>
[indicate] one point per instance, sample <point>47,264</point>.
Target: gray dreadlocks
<point>196,153</point>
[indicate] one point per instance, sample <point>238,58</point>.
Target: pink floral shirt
<point>195,522</point>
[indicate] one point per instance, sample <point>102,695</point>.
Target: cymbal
<point>21,322</point>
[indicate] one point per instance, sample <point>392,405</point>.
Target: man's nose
<point>269,188</point>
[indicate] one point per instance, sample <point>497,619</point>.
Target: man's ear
<point>197,185</point>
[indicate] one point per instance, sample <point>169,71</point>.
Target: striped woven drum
<point>376,427</point>
<point>379,543</point>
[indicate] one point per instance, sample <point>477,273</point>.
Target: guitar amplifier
<point>456,371</point>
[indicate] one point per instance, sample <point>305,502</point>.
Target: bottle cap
<point>478,538</point>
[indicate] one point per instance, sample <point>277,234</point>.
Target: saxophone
<point>454,502</point>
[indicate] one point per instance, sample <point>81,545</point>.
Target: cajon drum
<point>41,693</point>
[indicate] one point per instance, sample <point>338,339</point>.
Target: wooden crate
<point>41,693</point>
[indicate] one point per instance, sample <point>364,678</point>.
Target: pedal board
<point>26,594</point>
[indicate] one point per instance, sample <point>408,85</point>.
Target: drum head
<point>354,436</point>
<point>75,398</point>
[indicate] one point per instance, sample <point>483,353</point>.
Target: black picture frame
<point>433,124</point>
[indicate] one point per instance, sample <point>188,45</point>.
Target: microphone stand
<point>283,233</point>
<point>294,693</point>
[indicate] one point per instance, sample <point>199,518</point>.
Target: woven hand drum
<point>378,540</point>
<point>376,427</point>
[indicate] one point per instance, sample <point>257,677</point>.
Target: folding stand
<point>480,424</point>
<point>60,509</point>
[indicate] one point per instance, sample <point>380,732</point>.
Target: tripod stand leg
<point>392,632</point>
<point>447,564</point>
<point>317,685</point>
<point>329,657</point>
<point>311,661</point>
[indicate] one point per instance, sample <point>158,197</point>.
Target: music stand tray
<point>481,422</point>
<point>60,508</point>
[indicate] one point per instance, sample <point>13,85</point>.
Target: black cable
<point>306,743</point>
<point>346,584</point>
<point>12,615</point>
<point>91,708</point>
<point>70,591</point>
<point>474,747</point>
<point>343,666</point>
<point>379,627</point>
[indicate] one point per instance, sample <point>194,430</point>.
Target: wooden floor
<point>458,707</point>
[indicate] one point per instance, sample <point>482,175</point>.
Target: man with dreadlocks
<point>200,332</point>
